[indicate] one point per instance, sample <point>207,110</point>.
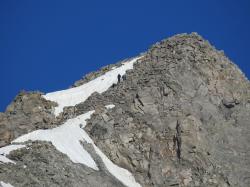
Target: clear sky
<point>47,45</point>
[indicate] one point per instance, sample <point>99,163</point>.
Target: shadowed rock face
<point>181,118</point>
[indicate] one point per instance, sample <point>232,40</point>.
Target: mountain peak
<point>177,115</point>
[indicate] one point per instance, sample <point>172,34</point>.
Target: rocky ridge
<point>181,118</point>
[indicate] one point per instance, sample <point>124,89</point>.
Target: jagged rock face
<point>42,165</point>
<point>181,118</point>
<point>96,74</point>
<point>28,112</point>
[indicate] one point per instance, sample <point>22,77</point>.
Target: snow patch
<point>110,106</point>
<point>6,150</point>
<point>5,184</point>
<point>66,139</point>
<point>74,96</point>
<point>121,174</point>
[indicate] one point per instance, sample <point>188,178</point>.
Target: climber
<point>178,139</point>
<point>124,77</point>
<point>138,98</point>
<point>119,78</point>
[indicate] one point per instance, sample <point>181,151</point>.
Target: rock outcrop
<point>181,118</point>
<point>29,111</point>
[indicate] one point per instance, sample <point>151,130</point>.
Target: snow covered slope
<point>74,96</point>
<point>67,137</point>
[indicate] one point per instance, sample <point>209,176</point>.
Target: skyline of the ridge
<point>48,45</point>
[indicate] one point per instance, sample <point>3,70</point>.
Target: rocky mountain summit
<point>179,116</point>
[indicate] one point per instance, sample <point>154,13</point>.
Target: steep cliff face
<point>180,117</point>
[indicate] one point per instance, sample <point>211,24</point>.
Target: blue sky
<point>47,45</point>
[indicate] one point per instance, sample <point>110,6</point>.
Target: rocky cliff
<point>179,117</point>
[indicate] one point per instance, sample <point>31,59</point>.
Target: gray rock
<point>189,86</point>
<point>181,118</point>
<point>43,165</point>
<point>29,111</point>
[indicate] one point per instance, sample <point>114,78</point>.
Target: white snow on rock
<point>5,184</point>
<point>121,174</point>
<point>74,96</point>
<point>6,150</point>
<point>66,139</point>
<point>110,106</point>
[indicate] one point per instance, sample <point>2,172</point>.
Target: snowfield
<point>74,96</point>
<point>5,184</point>
<point>67,138</point>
